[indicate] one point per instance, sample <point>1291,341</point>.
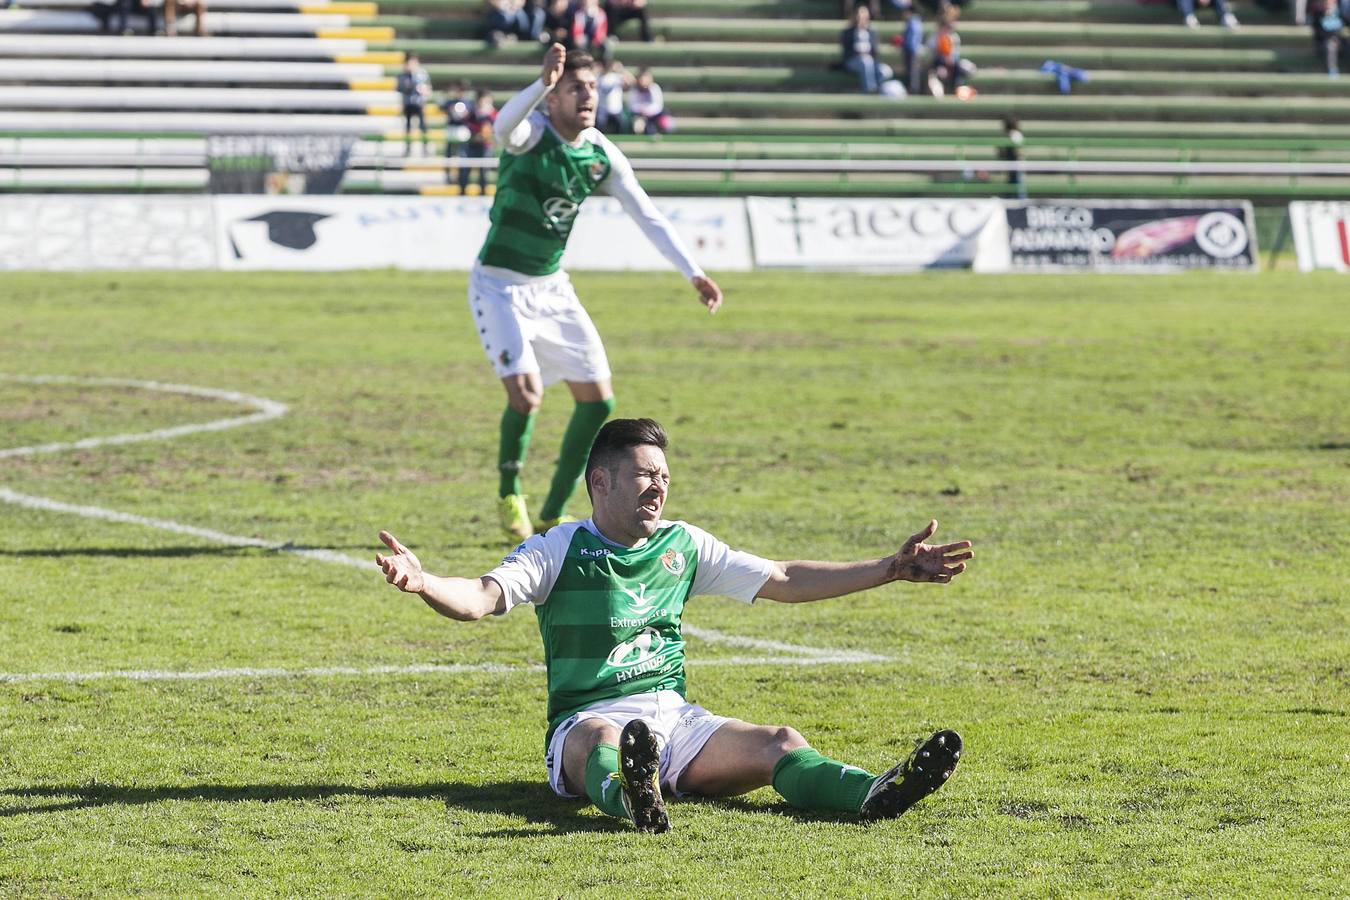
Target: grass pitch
<point>1147,659</point>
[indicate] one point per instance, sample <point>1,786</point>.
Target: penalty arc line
<point>266,411</point>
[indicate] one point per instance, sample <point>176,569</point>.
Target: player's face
<point>573,101</point>
<point>635,495</point>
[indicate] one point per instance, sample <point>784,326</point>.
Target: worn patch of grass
<point>1147,659</point>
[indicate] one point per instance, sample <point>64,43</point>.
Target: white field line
<point>381,671</point>
<point>233,540</point>
<point>267,410</point>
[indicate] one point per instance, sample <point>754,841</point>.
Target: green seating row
<point>636,53</point>
<point>512,76</point>
<point>1039,34</point>
<point>1073,108</point>
<point>1108,11</point>
<point>1124,11</point>
<point>664,8</point>
<point>1069,129</point>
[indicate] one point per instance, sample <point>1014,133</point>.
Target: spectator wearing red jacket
<point>590,29</point>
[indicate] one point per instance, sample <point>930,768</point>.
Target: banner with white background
<point>1321,234</point>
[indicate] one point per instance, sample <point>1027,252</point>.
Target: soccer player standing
<point>609,594</point>
<point>530,322</point>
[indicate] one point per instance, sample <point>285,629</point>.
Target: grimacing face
<point>630,497</point>
<point>571,105</point>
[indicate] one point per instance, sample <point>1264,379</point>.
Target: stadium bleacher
<point>745,79</point>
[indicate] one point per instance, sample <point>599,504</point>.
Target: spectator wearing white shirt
<point>647,105</point>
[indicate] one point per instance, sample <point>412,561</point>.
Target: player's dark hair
<point>576,60</point>
<point>619,435</point>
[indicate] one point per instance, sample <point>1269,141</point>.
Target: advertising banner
<point>446,233</point>
<point>1128,236</point>
<point>875,234</point>
<point>342,232</point>
<point>714,230</point>
<point>1321,235</point>
<point>277,163</point>
<point>49,232</point>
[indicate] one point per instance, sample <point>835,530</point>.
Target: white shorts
<point>681,730</point>
<point>535,325</point>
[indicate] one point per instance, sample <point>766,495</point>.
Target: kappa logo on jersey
<point>641,647</point>
<point>673,560</point>
<point>598,552</point>
<point>639,597</point>
<point>559,212</point>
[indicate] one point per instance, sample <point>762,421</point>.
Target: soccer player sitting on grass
<point>609,593</point>
<point>530,322</point>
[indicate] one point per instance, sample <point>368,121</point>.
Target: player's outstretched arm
<point>804,580</point>
<point>465,599</point>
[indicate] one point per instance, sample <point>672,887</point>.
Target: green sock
<point>602,781</point>
<point>576,446</point>
<point>810,781</point>
<point>516,430</point>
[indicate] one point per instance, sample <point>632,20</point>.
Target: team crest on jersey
<point>673,560</point>
<point>599,169</point>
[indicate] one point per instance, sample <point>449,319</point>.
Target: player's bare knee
<point>525,400</point>
<point>785,739</point>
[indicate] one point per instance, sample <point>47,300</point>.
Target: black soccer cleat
<point>922,772</point>
<point>639,773</point>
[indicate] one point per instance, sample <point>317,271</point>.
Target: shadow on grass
<point>529,799</point>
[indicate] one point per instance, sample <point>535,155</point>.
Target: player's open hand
<point>920,561</point>
<point>554,58</point>
<point>402,568</point>
<point>709,294</point>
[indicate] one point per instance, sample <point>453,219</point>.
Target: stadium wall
<point>324,232</point>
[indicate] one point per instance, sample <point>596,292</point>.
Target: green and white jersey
<point>610,615</point>
<point>542,181</point>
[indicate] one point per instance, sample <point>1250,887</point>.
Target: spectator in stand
<point>1328,30</point>
<point>458,107</point>
<point>174,8</point>
<point>1011,152</point>
<point>858,41</point>
<point>947,71</point>
<point>482,119</point>
<point>531,17</point>
<point>620,11</point>
<point>558,24</point>
<point>590,30</point>
<point>414,85</point>
<point>910,42</point>
<point>507,21</point>
<point>847,7</point>
<point>647,105</point>
<point>1187,8</point>
<point>612,81</point>
<point>121,12</point>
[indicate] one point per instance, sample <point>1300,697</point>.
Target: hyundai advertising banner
<point>1128,236</point>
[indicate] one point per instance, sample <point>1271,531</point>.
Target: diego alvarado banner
<point>1127,236</point>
